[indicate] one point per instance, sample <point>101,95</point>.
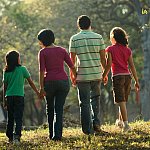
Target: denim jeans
<point>56,93</point>
<point>15,108</point>
<point>89,99</point>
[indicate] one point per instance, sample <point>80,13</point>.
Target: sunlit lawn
<point>74,139</point>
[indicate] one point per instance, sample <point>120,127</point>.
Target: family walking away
<point>13,94</point>
<point>89,63</point>
<point>119,57</point>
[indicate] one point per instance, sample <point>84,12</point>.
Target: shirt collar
<point>85,31</point>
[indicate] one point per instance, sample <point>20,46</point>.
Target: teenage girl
<point>119,58</point>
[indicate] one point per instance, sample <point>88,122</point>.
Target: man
<point>87,51</point>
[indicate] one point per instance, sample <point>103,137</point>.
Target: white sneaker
<point>119,123</point>
<point>126,128</point>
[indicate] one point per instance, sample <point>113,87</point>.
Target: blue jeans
<point>89,99</point>
<point>15,108</point>
<point>56,93</point>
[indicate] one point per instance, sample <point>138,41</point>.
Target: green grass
<point>74,139</point>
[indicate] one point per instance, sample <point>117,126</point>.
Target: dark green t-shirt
<point>15,81</point>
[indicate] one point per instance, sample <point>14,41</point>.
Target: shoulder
<point>60,48</point>
<point>23,68</point>
<point>42,50</point>
<point>75,36</point>
<point>96,34</point>
<point>129,50</point>
<point>109,48</point>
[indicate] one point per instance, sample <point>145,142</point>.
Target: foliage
<point>74,139</point>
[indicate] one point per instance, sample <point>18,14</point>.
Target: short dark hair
<point>84,22</point>
<point>119,35</point>
<point>46,36</point>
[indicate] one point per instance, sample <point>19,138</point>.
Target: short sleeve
<point>41,61</point>
<point>129,51</point>
<point>72,47</point>
<point>26,73</point>
<point>102,45</point>
<point>108,49</point>
<point>67,59</point>
<point>4,79</point>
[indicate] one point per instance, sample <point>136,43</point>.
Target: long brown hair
<point>119,35</point>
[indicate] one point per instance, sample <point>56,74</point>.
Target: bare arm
<point>32,85</point>
<point>103,58</point>
<point>108,66</point>
<point>41,79</point>
<point>73,73</point>
<point>41,82</point>
<point>133,71</point>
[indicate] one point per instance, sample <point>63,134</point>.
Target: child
<point>119,57</point>
<point>13,93</point>
<point>53,80</point>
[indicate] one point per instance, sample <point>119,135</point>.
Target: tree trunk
<point>144,20</point>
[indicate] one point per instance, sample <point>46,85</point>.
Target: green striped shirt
<point>87,45</point>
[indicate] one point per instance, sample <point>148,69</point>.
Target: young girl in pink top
<point>119,57</point>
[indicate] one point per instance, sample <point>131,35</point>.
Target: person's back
<point>118,59</point>
<point>120,55</point>
<point>54,81</point>
<point>89,49</point>
<point>52,60</point>
<point>15,81</point>
<point>13,98</point>
<point>87,45</point>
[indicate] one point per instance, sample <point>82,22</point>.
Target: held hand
<point>73,80</point>
<point>42,94</point>
<point>105,79</point>
<point>74,83</point>
<point>5,104</point>
<point>137,86</point>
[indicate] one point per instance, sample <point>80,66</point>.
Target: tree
<point>144,22</point>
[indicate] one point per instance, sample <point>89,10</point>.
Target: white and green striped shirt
<point>87,45</point>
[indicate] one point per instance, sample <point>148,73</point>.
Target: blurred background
<point>21,20</point>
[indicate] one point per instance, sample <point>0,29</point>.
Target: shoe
<point>16,141</point>
<point>97,128</point>
<point>56,139</point>
<point>126,128</point>
<point>10,141</point>
<point>119,123</point>
<point>99,131</point>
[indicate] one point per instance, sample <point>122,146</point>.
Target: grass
<point>74,139</point>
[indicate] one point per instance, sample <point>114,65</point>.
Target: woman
<point>53,80</point>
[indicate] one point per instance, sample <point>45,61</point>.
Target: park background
<point>20,22</point>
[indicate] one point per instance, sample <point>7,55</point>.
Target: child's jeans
<point>15,107</point>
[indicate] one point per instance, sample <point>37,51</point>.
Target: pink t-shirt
<point>120,55</point>
<point>51,61</point>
